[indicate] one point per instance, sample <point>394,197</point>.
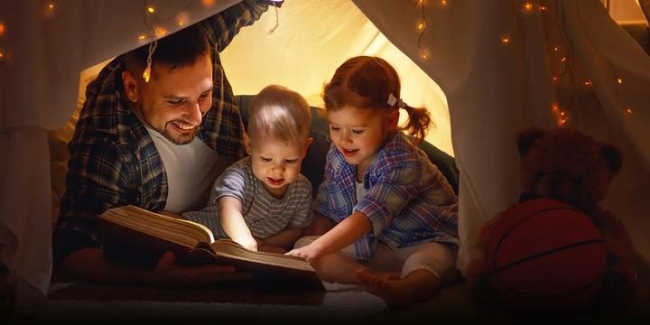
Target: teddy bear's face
<point>568,166</point>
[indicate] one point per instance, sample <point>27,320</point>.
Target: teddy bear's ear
<point>613,157</point>
<point>526,138</point>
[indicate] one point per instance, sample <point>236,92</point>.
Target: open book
<point>139,237</point>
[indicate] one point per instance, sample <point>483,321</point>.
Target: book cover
<point>139,237</point>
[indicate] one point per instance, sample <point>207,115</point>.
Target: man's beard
<point>179,139</point>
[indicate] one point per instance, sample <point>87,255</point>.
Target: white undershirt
<point>191,171</point>
<point>361,191</point>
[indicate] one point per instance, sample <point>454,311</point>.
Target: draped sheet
<point>494,89</point>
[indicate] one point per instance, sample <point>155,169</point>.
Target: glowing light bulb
<point>619,81</point>
<point>142,37</point>
<point>505,40</point>
<point>628,110</point>
<point>420,26</point>
<point>50,9</point>
<point>146,74</point>
<point>160,32</point>
<point>2,28</point>
<point>554,107</point>
<point>151,10</point>
<point>528,6</point>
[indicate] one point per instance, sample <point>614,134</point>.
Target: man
<point>157,127</point>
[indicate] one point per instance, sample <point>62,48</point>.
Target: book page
<point>180,231</point>
<point>228,248</point>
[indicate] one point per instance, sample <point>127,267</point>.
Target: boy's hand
<point>247,242</point>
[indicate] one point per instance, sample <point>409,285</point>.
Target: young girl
<point>262,201</point>
<point>393,214</point>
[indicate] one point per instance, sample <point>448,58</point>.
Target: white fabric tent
<point>492,89</point>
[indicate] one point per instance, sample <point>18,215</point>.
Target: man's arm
<point>90,264</point>
<point>222,27</point>
<point>224,130</point>
<point>96,181</point>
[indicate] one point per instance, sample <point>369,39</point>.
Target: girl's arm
<point>232,222</point>
<point>343,234</point>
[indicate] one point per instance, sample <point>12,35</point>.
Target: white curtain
<point>495,62</point>
<point>45,45</point>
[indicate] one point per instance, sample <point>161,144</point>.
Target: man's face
<point>174,102</point>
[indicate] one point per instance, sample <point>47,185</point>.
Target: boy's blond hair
<point>280,113</point>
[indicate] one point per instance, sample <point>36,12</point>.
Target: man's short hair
<point>177,49</point>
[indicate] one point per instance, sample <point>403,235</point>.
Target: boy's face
<point>276,163</point>
<point>174,102</point>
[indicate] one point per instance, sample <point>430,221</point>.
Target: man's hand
<point>168,273</point>
<point>90,264</point>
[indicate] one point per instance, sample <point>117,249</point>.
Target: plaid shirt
<point>408,201</point>
<point>114,161</point>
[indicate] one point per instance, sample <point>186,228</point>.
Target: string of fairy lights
<point>566,74</point>
<point>153,22</point>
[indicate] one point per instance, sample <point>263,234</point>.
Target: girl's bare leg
<point>417,286</point>
<point>339,268</point>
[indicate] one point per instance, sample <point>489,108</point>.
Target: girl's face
<point>359,133</point>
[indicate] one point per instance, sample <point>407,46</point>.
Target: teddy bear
<point>569,166</point>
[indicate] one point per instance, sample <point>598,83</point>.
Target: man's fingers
<point>166,261</point>
<point>220,269</point>
<point>216,274</point>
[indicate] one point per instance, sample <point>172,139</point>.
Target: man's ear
<point>130,86</point>
<point>308,142</point>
